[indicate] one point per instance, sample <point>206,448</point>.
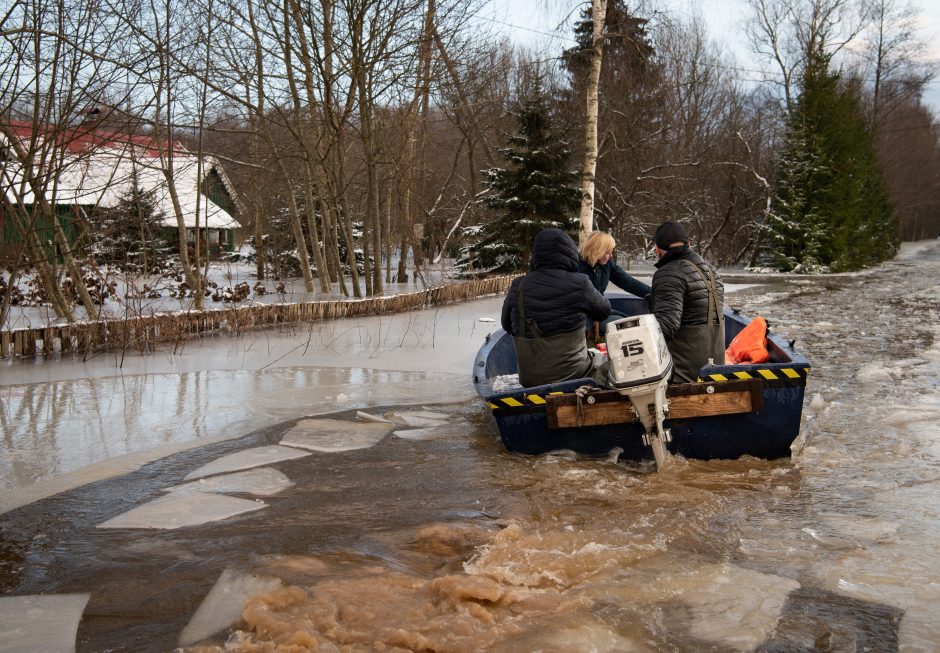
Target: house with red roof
<point>82,168</point>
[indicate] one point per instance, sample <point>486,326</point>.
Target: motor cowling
<point>637,352</point>
<point>640,367</point>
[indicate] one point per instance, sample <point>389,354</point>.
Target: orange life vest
<point>749,346</point>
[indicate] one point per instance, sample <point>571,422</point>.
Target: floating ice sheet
<point>179,510</point>
<point>370,418</point>
<point>417,422</point>
<point>428,433</point>
<point>732,606</point>
<point>263,481</point>
<point>48,623</point>
<point>246,459</point>
<point>223,604</point>
<point>334,435</point>
<point>427,414</point>
<point>438,432</point>
<point>418,418</point>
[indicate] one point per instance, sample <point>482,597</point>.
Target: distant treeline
<point>363,139</point>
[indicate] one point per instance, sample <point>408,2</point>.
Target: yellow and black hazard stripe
<point>522,400</point>
<point>776,376</point>
<point>773,378</point>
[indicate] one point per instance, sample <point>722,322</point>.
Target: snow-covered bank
<point>131,295</point>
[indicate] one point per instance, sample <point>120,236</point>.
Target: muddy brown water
<point>455,545</point>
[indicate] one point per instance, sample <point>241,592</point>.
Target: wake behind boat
<point>734,410</point>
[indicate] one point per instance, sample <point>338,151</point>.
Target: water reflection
<point>53,428</point>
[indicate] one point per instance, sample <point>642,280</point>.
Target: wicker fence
<point>143,333</point>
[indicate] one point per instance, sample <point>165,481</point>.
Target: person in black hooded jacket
<point>545,310</point>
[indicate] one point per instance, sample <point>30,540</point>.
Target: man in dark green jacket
<point>687,297</point>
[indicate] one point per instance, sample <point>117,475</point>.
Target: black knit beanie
<point>668,233</point>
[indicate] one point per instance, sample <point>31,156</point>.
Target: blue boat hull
<point>520,415</point>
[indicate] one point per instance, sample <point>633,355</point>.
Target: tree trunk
<point>190,268</point>
<point>71,265</point>
<point>310,203</point>
<point>37,257</point>
<point>259,246</point>
<point>598,15</point>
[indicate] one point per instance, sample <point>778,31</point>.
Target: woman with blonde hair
<point>596,261</point>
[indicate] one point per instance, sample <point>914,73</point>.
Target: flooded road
<point>70,421</point>
<point>428,536</point>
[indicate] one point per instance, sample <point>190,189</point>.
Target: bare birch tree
<point>893,52</point>
<point>784,32</point>
<point>598,16</point>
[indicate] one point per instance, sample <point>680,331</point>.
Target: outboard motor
<point>640,367</point>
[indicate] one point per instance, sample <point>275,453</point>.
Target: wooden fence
<point>142,333</point>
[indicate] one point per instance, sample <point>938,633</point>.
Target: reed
<point>144,332</point>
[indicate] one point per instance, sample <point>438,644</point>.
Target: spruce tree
<point>628,55</point>
<point>131,232</point>
<point>796,232</point>
<point>536,190</point>
<point>830,210</point>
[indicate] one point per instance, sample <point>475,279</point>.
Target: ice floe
<point>47,623</point>
<point>223,604</point>
<point>370,418</point>
<point>246,459</point>
<point>418,418</point>
<point>334,435</point>
<point>726,604</point>
<point>427,414</point>
<point>263,481</point>
<point>179,510</point>
<point>425,424</point>
<point>734,606</point>
<point>427,433</point>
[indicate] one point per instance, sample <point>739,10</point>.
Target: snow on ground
<point>222,275</point>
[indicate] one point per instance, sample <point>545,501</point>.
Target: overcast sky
<point>534,22</point>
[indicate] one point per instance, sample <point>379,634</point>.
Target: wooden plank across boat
<point>734,410</point>
<point>603,407</point>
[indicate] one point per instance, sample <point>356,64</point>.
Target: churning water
<point>442,541</point>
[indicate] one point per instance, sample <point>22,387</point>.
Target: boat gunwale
<point>791,372</point>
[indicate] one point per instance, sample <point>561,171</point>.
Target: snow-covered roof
<point>102,175</point>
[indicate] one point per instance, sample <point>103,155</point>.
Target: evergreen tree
<point>280,247</point>
<point>628,52</point>
<point>131,232</point>
<point>796,232</point>
<point>831,209</point>
<point>537,190</point>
